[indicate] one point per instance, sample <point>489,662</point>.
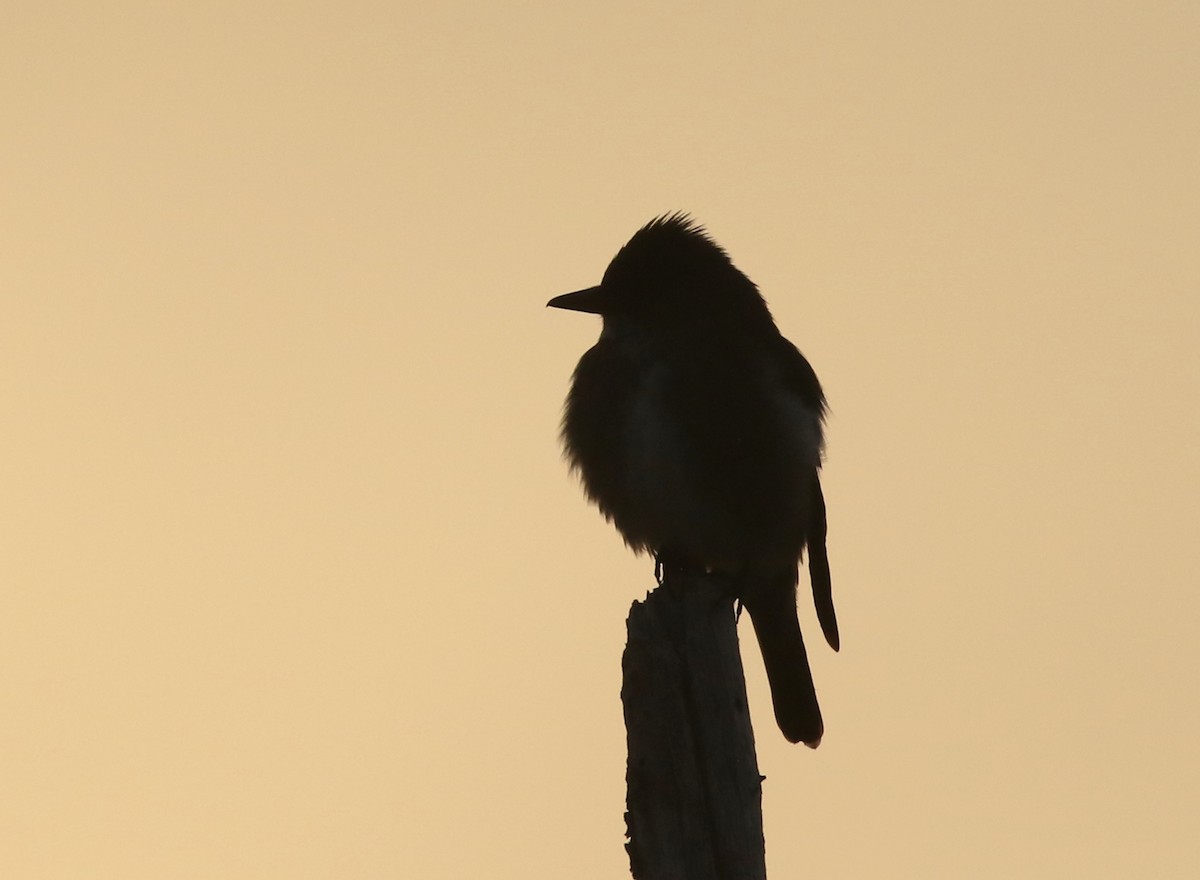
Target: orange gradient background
<point>293,581</point>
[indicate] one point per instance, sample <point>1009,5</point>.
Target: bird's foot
<point>668,563</point>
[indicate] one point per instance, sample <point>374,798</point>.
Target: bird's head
<point>671,275</point>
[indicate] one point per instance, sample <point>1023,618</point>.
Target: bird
<point>697,428</point>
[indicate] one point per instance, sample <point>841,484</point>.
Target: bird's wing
<point>800,380</point>
<point>818,568</point>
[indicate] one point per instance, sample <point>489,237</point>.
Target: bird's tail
<point>772,607</point>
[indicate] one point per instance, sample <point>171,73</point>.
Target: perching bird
<point>697,430</point>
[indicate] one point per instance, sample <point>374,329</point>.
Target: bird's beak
<point>594,300</point>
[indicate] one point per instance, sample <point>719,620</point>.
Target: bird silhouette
<point>697,429</point>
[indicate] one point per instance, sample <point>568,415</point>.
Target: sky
<point>293,580</point>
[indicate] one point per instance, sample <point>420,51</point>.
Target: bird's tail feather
<point>772,608</point>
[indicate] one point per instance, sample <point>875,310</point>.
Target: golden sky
<point>293,581</point>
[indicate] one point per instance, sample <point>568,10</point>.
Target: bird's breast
<point>717,466</point>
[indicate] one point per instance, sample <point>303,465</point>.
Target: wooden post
<point>694,794</point>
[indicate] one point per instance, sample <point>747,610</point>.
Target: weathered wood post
<point>694,794</point>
